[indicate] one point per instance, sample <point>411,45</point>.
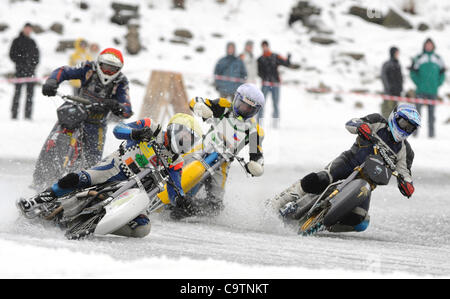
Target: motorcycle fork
<point>321,205</point>
<point>73,153</point>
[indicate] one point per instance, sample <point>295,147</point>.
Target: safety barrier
<point>266,83</point>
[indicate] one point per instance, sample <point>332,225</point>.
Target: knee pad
<point>315,183</point>
<point>71,180</point>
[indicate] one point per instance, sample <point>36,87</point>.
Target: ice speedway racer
<point>232,128</point>
<point>107,207</point>
<point>317,202</point>
<point>77,139</point>
<point>147,160</point>
<point>64,150</point>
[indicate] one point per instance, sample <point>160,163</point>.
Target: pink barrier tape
<point>234,79</point>
<point>267,83</point>
<point>23,80</point>
<point>383,96</point>
<point>273,84</point>
<point>231,79</point>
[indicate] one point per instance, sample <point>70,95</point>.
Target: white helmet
<point>247,102</point>
<point>108,65</point>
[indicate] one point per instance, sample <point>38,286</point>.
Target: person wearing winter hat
<point>428,73</point>
<point>392,78</point>
<point>80,55</point>
<point>25,55</point>
<point>229,72</point>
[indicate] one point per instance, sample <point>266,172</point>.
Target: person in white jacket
<point>250,62</point>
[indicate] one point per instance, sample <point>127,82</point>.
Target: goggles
<point>109,69</point>
<point>244,107</point>
<point>405,125</point>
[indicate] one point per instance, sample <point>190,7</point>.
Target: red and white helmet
<point>108,64</point>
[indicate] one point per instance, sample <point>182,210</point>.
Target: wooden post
<point>165,96</point>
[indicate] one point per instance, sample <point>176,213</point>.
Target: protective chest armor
<point>95,90</point>
<point>138,156</point>
<point>234,133</point>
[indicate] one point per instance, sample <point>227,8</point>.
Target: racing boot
<point>284,203</point>
<point>27,204</point>
<point>183,208</point>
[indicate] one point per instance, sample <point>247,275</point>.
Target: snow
<point>52,263</point>
<point>312,134</point>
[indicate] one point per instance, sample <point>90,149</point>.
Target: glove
<point>406,188</point>
<point>364,131</point>
<point>49,88</point>
<point>95,107</point>
<point>254,168</point>
<point>144,134</point>
<point>114,106</point>
<point>202,110</point>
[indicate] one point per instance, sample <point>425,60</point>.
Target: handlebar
<point>383,150</point>
<point>77,99</point>
<point>224,150</point>
<point>86,102</point>
<point>156,148</point>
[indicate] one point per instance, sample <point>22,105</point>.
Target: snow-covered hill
<point>312,126</point>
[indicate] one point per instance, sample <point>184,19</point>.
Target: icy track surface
<point>405,238</point>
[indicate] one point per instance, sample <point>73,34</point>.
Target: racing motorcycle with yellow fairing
<point>104,208</point>
<point>219,148</point>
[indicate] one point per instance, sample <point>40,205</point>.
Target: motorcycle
<point>219,151</point>
<point>103,209</point>
<point>313,213</point>
<point>63,151</point>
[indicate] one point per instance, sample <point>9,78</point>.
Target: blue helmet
<point>403,121</point>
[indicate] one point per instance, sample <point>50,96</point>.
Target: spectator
<point>94,49</point>
<point>392,77</point>
<point>178,4</point>
<point>250,62</point>
<point>428,73</point>
<point>25,55</point>
<point>268,71</point>
<point>229,73</point>
<point>80,55</point>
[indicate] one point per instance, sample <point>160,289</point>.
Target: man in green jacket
<point>428,73</point>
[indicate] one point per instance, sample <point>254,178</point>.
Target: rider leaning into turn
<point>247,102</point>
<point>182,133</point>
<point>402,122</point>
<point>101,80</point>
